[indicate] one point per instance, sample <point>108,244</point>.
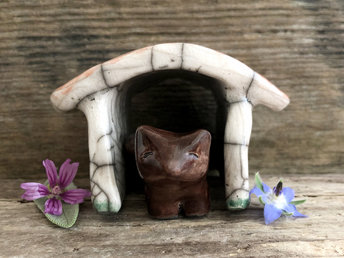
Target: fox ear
<point>201,142</point>
<point>142,140</point>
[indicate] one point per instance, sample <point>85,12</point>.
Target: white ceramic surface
<point>100,92</point>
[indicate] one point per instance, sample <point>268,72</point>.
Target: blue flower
<point>276,201</point>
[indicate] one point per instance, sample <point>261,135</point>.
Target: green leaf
<point>69,212</point>
<point>297,202</point>
<point>259,182</point>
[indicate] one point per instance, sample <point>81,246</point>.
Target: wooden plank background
<point>298,45</point>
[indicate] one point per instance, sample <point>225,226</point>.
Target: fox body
<point>173,167</point>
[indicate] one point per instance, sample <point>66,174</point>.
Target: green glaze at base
<point>105,207</point>
<point>238,204</point>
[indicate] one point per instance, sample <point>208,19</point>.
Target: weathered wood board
<point>24,231</point>
<point>297,44</point>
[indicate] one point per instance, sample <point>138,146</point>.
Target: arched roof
<point>240,81</point>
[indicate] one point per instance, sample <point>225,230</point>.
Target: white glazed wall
<point>106,162</point>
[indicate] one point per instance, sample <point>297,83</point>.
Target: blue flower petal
<point>255,190</point>
<point>259,193</point>
<point>271,213</point>
<point>288,193</point>
<point>292,209</point>
<point>298,214</point>
<point>266,188</point>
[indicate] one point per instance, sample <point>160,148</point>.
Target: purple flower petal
<point>50,169</point>
<point>75,196</point>
<point>34,191</point>
<point>288,193</point>
<point>53,206</point>
<point>271,213</point>
<point>67,173</point>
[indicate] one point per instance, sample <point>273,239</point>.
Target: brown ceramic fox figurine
<point>173,167</point>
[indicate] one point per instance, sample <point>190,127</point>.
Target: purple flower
<point>56,190</point>
<point>276,201</point>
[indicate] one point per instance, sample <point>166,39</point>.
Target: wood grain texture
<point>24,231</point>
<point>297,44</point>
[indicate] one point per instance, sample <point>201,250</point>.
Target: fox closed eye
<point>146,154</point>
<point>194,154</point>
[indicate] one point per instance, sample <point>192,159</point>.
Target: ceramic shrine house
<point>102,92</point>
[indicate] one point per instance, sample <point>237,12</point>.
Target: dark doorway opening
<point>174,100</point>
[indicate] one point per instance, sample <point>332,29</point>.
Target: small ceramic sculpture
<point>101,93</point>
<point>174,168</point>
